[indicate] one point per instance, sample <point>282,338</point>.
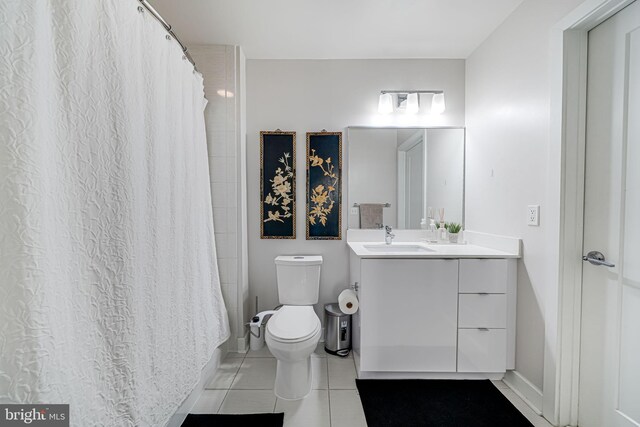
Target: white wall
<point>310,95</point>
<point>221,68</point>
<point>508,161</point>
<point>373,154</point>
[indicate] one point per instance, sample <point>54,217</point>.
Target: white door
<point>414,186</point>
<point>610,344</point>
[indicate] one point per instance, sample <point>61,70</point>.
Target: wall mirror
<point>403,172</point>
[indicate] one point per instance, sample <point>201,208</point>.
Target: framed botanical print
<point>324,186</point>
<point>277,185</point>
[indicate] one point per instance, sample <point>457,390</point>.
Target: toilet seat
<point>293,324</point>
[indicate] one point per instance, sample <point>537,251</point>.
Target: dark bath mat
<point>437,403</point>
<point>233,420</point>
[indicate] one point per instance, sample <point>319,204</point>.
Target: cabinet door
<point>483,275</point>
<point>482,311</point>
<point>354,283</point>
<point>408,314</point>
<point>482,350</point>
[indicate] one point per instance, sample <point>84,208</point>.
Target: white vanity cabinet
<point>409,315</point>
<point>434,317</point>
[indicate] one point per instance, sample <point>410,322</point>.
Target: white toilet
<point>294,330</point>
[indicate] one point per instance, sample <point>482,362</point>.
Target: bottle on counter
<point>442,233</point>
<point>432,234</point>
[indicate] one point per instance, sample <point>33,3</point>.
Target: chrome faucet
<point>388,235</point>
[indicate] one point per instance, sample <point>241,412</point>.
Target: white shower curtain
<point>109,292</point>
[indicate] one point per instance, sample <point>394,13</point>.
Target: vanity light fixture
<point>385,103</point>
<point>409,101</point>
<point>413,103</point>
<point>437,103</point>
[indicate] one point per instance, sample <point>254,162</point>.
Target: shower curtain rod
<point>167,27</point>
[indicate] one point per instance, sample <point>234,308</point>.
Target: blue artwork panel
<point>277,185</point>
<point>324,186</point>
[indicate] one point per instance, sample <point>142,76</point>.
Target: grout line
<point>235,375</point>
<point>326,361</point>
<point>223,399</point>
<point>329,396</point>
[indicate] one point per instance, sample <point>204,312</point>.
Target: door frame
<point>402,149</point>
<point>567,154</point>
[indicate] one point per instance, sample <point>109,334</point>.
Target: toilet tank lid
<point>299,260</point>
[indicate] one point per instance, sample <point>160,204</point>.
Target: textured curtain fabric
<point>109,291</point>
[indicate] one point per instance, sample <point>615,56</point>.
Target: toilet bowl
<point>292,335</point>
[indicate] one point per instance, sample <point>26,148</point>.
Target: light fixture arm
<point>412,91</point>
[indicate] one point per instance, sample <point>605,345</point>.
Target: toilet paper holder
<point>355,286</point>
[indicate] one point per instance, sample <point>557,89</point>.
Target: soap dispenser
<point>432,235</point>
<point>442,233</point>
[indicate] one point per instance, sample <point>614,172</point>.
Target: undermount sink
<point>400,248</point>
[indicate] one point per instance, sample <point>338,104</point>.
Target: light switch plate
<point>354,211</point>
<point>533,215</point>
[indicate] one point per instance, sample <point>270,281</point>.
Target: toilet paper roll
<point>348,301</point>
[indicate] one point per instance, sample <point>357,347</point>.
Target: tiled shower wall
<point>222,68</point>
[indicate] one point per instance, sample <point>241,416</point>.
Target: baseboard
<point>525,390</point>
<point>207,373</point>
<point>375,375</point>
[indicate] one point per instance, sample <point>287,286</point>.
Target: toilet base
<point>293,379</point>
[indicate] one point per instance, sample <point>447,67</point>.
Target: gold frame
<point>306,217</point>
<point>293,183</point>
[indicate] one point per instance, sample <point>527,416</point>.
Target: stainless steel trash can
<point>337,339</point>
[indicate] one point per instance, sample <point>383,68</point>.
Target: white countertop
<point>413,249</point>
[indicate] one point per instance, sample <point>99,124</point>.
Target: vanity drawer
<point>482,311</point>
<point>483,275</point>
<point>482,350</point>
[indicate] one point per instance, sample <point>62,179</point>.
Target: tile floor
<point>244,384</point>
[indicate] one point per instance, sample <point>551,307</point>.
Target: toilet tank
<point>298,279</point>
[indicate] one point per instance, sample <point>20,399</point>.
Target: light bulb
<point>385,103</point>
<point>437,103</point>
<point>413,104</point>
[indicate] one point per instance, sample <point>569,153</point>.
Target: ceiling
<point>338,29</point>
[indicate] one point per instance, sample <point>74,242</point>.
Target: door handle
<point>596,258</point>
